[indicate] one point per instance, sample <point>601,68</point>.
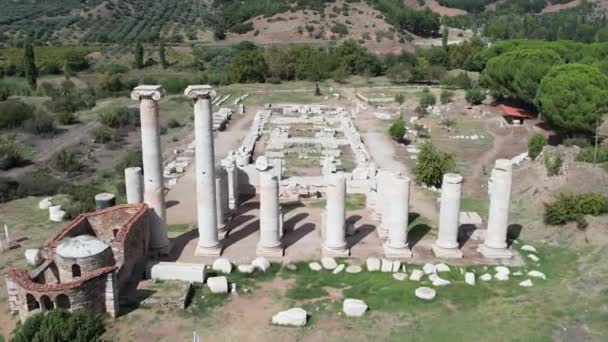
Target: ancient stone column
<point>335,216</point>
<point>270,212</point>
<point>495,245</point>
<point>383,179</point>
<point>104,200</point>
<point>208,242</point>
<point>134,184</point>
<point>154,188</point>
<point>446,245</point>
<point>397,216</point>
<point>229,165</point>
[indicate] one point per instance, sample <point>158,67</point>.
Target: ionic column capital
<point>199,92</point>
<point>154,92</point>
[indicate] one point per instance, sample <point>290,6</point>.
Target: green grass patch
<point>474,204</point>
<point>203,301</point>
<point>355,201</point>
<point>178,228</point>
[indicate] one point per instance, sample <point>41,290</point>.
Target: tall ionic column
<point>335,216</point>
<point>383,179</point>
<point>495,245</point>
<point>270,212</point>
<point>206,201</point>
<point>397,217</point>
<point>447,245</point>
<point>134,184</point>
<point>154,188</point>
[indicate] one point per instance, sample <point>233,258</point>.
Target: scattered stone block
<point>45,204</point>
<point>416,275</point>
<point>353,269</point>
<point>486,277</point>
<point>222,265</point>
<point>315,266</point>
<point>396,265</point>
<point>533,257</point>
<point>502,269</point>
<point>246,269</point>
<point>354,307</point>
<point>528,248</point>
<point>438,281</point>
<point>428,268</point>
<point>399,276</point>
<point>291,317</point>
<point>372,264</point>
<point>387,265</point>
<point>526,283</point>
<point>292,267</point>
<point>469,278</point>
<point>261,263</point>
<point>339,269</point>
<point>517,274</point>
<point>442,268</point>
<point>218,284</point>
<point>501,276</point>
<point>188,272</point>
<point>34,257</point>
<point>425,293</point>
<point>328,263</point>
<point>537,274</point>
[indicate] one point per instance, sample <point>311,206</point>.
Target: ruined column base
<point>396,253</point>
<point>208,251</point>
<point>495,253</point>
<point>222,231</point>
<point>335,252</point>
<point>447,253</point>
<point>269,251</point>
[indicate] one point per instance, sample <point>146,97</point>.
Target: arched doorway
<point>46,303</point>
<point>32,303</point>
<point>75,271</point>
<point>62,302</point>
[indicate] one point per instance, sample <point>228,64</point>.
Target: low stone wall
<point>187,272</point>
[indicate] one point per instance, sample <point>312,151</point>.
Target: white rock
<point>353,269</point>
<point>425,293</point>
<point>293,316</point>
<point>329,263</point>
<point>315,266</point>
<point>502,269</point>
<point>533,257</point>
<point>354,307</point>
<point>372,264</point>
<point>469,278</point>
<point>218,284</point>
<point>247,269</point>
<point>222,265</point>
<point>45,203</point>
<point>416,275</point>
<point>501,276</point>
<point>428,268</point>
<point>33,256</point>
<point>486,277</point>
<point>339,269</point>
<point>526,283</point>
<point>537,274</point>
<point>442,268</point>
<point>528,248</point>
<point>387,265</point>
<point>57,215</point>
<point>438,281</point>
<point>261,263</point>
<point>396,266</point>
<point>399,276</point>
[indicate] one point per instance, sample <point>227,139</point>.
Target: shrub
<point>475,96</point>
<point>242,28</point>
<point>397,130</point>
<point>38,183</point>
<point>535,145</point>
<point>553,161</point>
<point>173,123</point>
<point>71,102</point>
<point>589,154</point>
<point>67,118</point>
<point>460,80</point>
<point>581,142</point>
<point>175,85</point>
<point>67,161</point>
<point>40,123</point>
<point>59,325</point>
<point>399,98</point>
<point>5,92</point>
<point>572,208</point>
<point>82,198</point>
<point>445,96</point>
<point>432,164</point>
<point>427,99</point>
<point>132,159</point>
<point>14,112</point>
<point>340,29</point>
<point>102,134</point>
<point>118,117</point>
<point>11,155</point>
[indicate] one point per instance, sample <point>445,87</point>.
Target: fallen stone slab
<point>246,269</point>
<point>528,248</point>
<point>425,293</point>
<point>188,272</point>
<point>315,266</point>
<point>469,278</point>
<point>396,265</point>
<point>354,307</point>
<point>33,256</point>
<point>222,265</point>
<point>438,281</point>
<point>526,283</point>
<point>329,263</point>
<point>502,269</point>
<point>45,204</point>
<point>387,265</point>
<point>217,284</point>
<point>261,263</point>
<point>416,275</point>
<point>442,268</point>
<point>517,274</point>
<point>537,274</point>
<point>291,267</point>
<point>353,269</point>
<point>501,276</point>
<point>399,276</point>
<point>533,257</point>
<point>485,277</point>
<point>339,269</point>
<point>428,268</point>
<point>372,264</point>
<point>291,317</point>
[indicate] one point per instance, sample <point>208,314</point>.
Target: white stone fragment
<point>329,263</point>
<point>45,203</point>
<point>528,248</point>
<point>315,266</point>
<point>533,257</point>
<point>442,268</point>
<point>537,274</point>
<point>387,265</point>
<point>428,268</point>
<point>293,317</point>
<point>339,269</point>
<point>469,278</point>
<point>416,275</point>
<point>502,269</point>
<point>261,263</point>
<point>222,265</point>
<point>218,284</point>
<point>526,283</point>
<point>372,264</point>
<point>354,307</point>
<point>247,269</point>
<point>517,274</point>
<point>425,293</point>
<point>396,266</point>
<point>486,277</point>
<point>33,256</point>
<point>399,276</point>
<point>501,276</point>
<point>438,281</point>
<point>353,269</point>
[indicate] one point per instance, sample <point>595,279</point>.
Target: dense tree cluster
<point>59,326</point>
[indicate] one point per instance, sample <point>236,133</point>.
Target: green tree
<point>446,96</point>
<point>399,73</point>
<point>444,37</point>
<point>535,145</point>
<point>161,55</point>
<point>59,326</point>
<point>29,65</point>
<point>432,164</point>
<point>475,96</point>
<point>573,97</point>
<point>139,55</point>
<point>397,130</point>
<point>427,99</point>
<point>248,67</point>
<point>399,98</point>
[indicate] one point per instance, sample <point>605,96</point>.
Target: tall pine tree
<point>161,55</point>
<point>444,37</point>
<point>139,55</point>
<point>29,65</point>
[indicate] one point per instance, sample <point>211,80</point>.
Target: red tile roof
<point>513,112</point>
